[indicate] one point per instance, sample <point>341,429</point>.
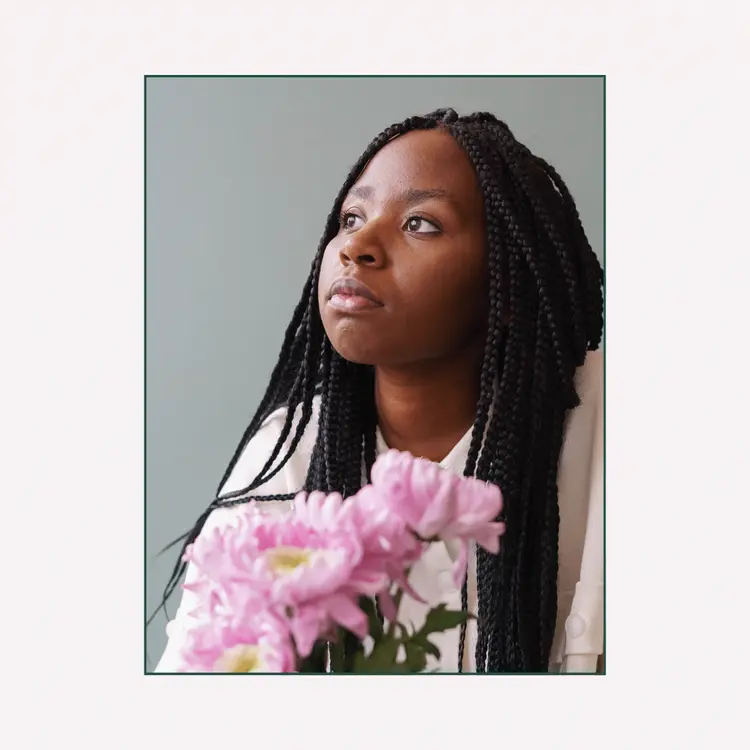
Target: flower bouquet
<point>319,588</point>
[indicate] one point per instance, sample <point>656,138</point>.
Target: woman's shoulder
<point>589,383</point>
<point>273,425</point>
<point>288,480</point>
<point>579,448</point>
<point>589,377</point>
<point>260,447</point>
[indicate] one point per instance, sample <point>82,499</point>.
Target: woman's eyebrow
<point>410,197</point>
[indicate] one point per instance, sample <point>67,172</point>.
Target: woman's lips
<point>352,302</point>
<point>351,295</point>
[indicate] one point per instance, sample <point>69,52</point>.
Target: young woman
<point>454,310</point>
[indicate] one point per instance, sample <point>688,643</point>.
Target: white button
<point>445,581</point>
<point>575,626</point>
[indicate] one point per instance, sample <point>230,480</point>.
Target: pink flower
<point>389,547</point>
<point>286,567</point>
<point>257,643</point>
<point>385,537</point>
<point>435,503</point>
<point>319,510</point>
<point>270,587</point>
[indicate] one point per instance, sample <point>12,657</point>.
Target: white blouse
<point>579,634</point>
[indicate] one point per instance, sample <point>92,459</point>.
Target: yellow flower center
<point>285,560</point>
<point>240,659</point>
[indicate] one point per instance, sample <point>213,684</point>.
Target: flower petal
<point>403,581</point>
<point>306,628</point>
<point>387,605</point>
<point>459,567</point>
<point>439,511</point>
<point>346,613</point>
<point>488,536</point>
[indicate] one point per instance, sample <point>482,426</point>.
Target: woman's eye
<point>418,225</point>
<point>349,221</point>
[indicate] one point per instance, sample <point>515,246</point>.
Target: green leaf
<point>426,645</point>
<point>441,618</point>
<point>403,631</point>
<point>361,664</point>
<point>416,660</point>
<point>382,658</point>
<point>375,625</point>
<point>352,647</point>
<point>337,655</point>
<point>385,652</point>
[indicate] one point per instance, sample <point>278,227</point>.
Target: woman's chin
<point>353,341</point>
<point>358,354</point>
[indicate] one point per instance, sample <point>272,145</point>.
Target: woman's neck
<point>428,407</point>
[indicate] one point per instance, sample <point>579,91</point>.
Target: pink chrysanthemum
<point>388,545</point>
<point>264,582</point>
<point>285,566</point>
<point>256,643</point>
<point>436,503</point>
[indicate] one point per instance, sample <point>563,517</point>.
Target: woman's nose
<point>363,248</point>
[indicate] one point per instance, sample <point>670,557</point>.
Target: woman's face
<point>412,232</point>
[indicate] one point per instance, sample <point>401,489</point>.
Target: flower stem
<point>397,603</point>
<point>316,661</point>
<point>338,652</point>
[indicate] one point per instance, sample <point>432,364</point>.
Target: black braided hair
<point>545,312</point>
